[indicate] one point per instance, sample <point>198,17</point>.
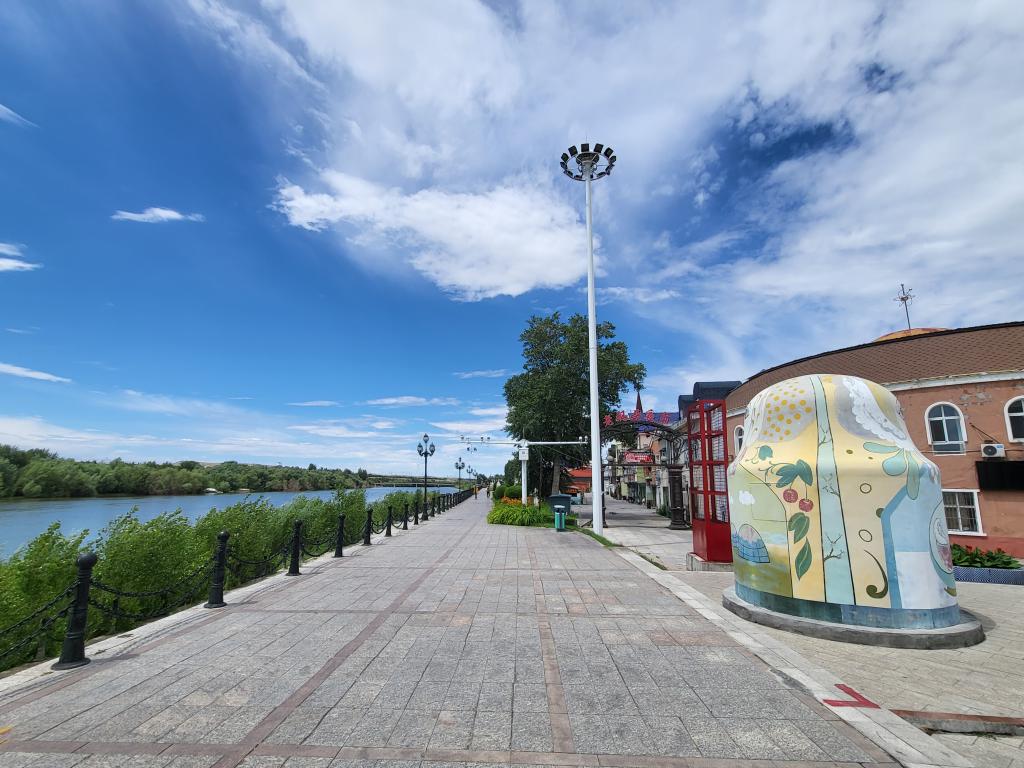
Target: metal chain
<point>45,626</point>
<point>39,611</point>
<point>151,593</point>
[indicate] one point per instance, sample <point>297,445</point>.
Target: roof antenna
<point>905,297</point>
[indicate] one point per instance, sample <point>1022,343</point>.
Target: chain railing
<point>29,637</point>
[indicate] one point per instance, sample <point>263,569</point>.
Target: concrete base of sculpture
<point>695,562</point>
<point>967,632</point>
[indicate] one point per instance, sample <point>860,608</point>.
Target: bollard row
<point>73,648</point>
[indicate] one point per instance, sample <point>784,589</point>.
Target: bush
<point>168,550</point>
<point>516,514</point>
<point>513,491</point>
<point>499,491</point>
<point>972,557</point>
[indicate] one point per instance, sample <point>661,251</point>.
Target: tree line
<point>37,473</point>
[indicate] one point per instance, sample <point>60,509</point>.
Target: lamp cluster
<point>589,161</point>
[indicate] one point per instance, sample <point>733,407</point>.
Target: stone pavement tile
<point>308,762</point>
<point>413,728</point>
<point>492,731</point>
<point>531,732</point>
<point>375,728</point>
<point>334,728</point>
<point>350,763</point>
<point>429,694</point>
<point>262,761</point>
<point>41,760</point>
<point>674,700</point>
<point>361,694</point>
<point>199,724</point>
<point>669,737</point>
<point>796,744</point>
<point>298,725</point>
<point>192,761</point>
<point>597,698</point>
<point>233,729</point>
<point>395,694</point>
<point>610,735</point>
<point>753,741</point>
<point>462,695</point>
<point>495,697</point>
<point>529,697</point>
<point>831,742</point>
<point>734,703</point>
<point>453,729</point>
<point>711,737</point>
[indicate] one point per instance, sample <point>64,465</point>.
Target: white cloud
<point>493,373</point>
<point>16,265</point>
<point>28,373</point>
<point>475,245</point>
<point>20,331</point>
<point>412,400</point>
<point>316,404</point>
<point>10,261</point>
<point>451,170</point>
<point>171,405</point>
<point>156,216</point>
<point>8,115</point>
<point>332,429</point>
<point>636,293</point>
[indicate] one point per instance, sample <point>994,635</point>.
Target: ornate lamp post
<point>460,465</point>
<point>593,162</point>
<point>426,450</point>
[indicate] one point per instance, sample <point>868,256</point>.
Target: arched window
<point>737,439</point>
<point>1015,419</point>
<point>945,428</point>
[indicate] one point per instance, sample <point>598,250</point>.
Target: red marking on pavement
<point>858,700</point>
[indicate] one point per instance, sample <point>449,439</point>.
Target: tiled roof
<point>958,352</point>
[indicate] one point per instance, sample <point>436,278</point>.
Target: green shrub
<point>513,491</point>
<point>516,514</point>
<point>972,557</point>
<point>499,491</point>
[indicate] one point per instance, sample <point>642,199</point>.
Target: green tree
<point>550,399</point>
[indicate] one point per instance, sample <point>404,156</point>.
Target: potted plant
<point>986,566</point>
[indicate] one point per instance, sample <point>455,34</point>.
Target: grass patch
<point>597,536</point>
<point>653,561</point>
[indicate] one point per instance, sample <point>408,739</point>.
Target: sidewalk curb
<point>904,741</point>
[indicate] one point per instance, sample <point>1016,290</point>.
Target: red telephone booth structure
<point>709,500</point>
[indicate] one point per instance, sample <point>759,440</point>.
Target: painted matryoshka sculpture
<point>836,515</point>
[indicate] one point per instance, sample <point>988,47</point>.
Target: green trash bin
<point>560,503</point>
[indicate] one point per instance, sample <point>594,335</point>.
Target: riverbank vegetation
<point>169,550</point>
<point>40,474</point>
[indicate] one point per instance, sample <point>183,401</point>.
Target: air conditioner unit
<point>993,451</point>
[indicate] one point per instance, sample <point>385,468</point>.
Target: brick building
<point>962,395</point>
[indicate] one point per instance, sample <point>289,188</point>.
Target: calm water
<point>21,520</point>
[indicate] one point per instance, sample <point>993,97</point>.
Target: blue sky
<point>296,231</point>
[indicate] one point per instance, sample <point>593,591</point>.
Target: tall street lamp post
<point>593,162</point>
<point>426,450</point>
<point>460,465</point>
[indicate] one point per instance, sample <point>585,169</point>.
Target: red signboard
<point>635,457</point>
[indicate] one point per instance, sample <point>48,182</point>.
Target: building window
<point>961,511</point>
<point>1015,419</point>
<point>945,428</point>
<point>737,439</point>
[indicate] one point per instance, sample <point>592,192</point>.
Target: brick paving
<point>453,644</point>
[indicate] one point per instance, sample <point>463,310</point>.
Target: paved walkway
<point>454,644</point>
<point>986,679</point>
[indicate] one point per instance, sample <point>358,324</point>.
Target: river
<point>21,520</point>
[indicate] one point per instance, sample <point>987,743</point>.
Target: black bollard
<point>387,527</point>
<point>405,517</point>
<point>340,543</point>
<point>72,652</point>
<point>220,556</point>
<point>293,565</point>
<point>416,512</point>
<point>368,527</point>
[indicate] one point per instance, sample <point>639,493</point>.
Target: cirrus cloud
<point>156,216</point>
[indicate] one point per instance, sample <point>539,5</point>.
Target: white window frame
<point>963,430</point>
<point>737,439</point>
<point>977,512</point>
<point>1006,415</point>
